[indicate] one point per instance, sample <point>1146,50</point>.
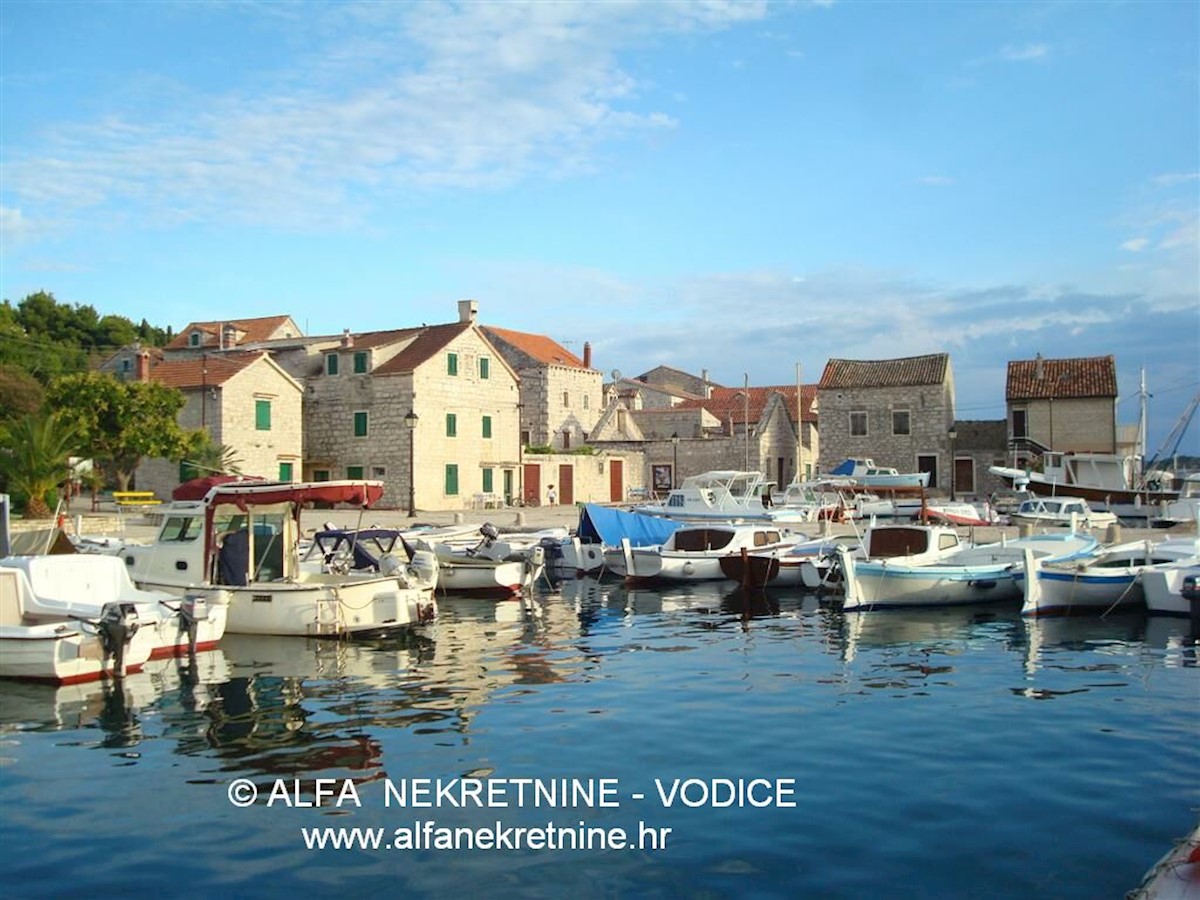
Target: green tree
<point>35,453</point>
<point>121,422</point>
<point>208,458</point>
<point>20,393</point>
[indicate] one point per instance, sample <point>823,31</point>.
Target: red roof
<point>429,342</point>
<point>545,350</point>
<point>208,371</point>
<point>912,371</point>
<point>261,329</point>
<point>726,403</point>
<point>1059,379</point>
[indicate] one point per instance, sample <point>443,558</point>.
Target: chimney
<point>1039,368</point>
<point>347,338</point>
<point>468,310</point>
<point>587,354</point>
<point>142,365</point>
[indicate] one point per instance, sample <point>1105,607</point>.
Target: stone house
<point>976,446</point>
<point>245,401</point>
<point>897,412</point>
<point>1064,405</point>
<point>244,334</point>
<point>562,396</point>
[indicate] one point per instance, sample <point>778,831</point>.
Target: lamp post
<point>675,462</point>
<point>952,434</point>
<point>410,420</point>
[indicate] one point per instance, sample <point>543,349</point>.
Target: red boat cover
<point>356,493</point>
<point>197,488</point>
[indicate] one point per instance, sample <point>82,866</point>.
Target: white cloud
<point>1024,53</point>
<point>1136,245</point>
<point>1174,179</point>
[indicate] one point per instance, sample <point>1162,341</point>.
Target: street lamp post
<point>675,462</point>
<point>952,434</point>
<point>410,420</point>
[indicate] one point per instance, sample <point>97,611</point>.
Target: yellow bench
<point>135,498</point>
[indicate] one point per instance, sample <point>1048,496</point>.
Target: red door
<point>616,481</point>
<point>566,485</point>
<point>533,485</point>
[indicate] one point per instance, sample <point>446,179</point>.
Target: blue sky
<point>738,187</point>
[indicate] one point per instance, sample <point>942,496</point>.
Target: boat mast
<point>1141,437</point>
<point>799,427</point>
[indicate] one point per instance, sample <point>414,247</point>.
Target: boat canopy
<point>602,524</point>
<point>197,488</point>
<point>245,495</point>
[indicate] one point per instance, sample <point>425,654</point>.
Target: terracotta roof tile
<point>910,371</point>
<point>260,329</point>
<point>544,349</point>
<point>1043,379</point>
<point>726,403</point>
<point>211,371</point>
<point>429,342</point>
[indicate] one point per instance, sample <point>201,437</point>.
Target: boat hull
<point>64,654</point>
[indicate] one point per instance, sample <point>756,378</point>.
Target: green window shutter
<point>488,481</point>
<point>285,471</point>
<point>354,473</point>
<point>360,424</point>
<point>331,364</point>
<point>262,415</point>
<point>360,362</point>
<point>487,426</point>
<point>451,363</point>
<point>485,366</point>
<point>451,480</point>
<point>451,425</point>
<point>320,474</point>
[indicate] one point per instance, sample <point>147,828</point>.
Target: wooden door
<point>533,485</point>
<point>928,463</point>
<point>616,481</point>
<point>566,485</point>
<point>964,475</point>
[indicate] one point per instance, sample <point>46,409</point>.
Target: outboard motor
<point>192,608</point>
<point>117,626</point>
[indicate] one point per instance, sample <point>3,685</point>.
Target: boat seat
<point>10,597</point>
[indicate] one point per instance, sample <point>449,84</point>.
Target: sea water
<point>685,742</point>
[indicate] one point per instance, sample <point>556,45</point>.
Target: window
<point>194,339</point>
<point>585,401</point>
<point>451,480</point>
<point>485,367</point>
<point>858,423</point>
<point>354,473</point>
<point>360,362</point>
<point>566,440</point>
<point>900,422</point>
<point>567,399</point>
<point>320,474</point>
<point>262,415</point>
<point>285,471</point>
<point>331,364</point>
<point>451,425</point>
<point>487,426</point>
<point>488,481</point>
<point>126,364</point>
<point>378,473</point>
<point>451,363</point>
<point>1020,423</point>
<point>360,424</point>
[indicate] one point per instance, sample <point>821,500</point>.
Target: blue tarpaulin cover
<point>602,524</point>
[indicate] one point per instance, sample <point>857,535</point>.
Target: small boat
<point>488,568</point>
<point>243,538</point>
<point>1173,590</point>
<point>694,552</point>
<point>1176,876</point>
<point>804,564</point>
<point>1103,477</point>
<point>727,495</point>
<point>1056,512</point>
<point>1111,580</point>
<point>81,585</point>
<point>866,473</point>
<point>602,528</point>
<point>1183,511</point>
<point>64,649</point>
<point>368,551</point>
<point>979,573</point>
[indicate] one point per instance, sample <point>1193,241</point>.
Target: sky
<point>740,187</point>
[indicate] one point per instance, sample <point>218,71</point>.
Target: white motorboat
<point>65,649</point>
<point>602,528</point>
<point>1103,477</point>
<point>866,473</point>
<point>1108,581</point>
<point>804,564</point>
<point>243,538</point>
<point>81,585</point>
<point>694,552</point>
<point>980,573</point>
<point>1183,511</point>
<point>1060,512</point>
<point>1172,590</point>
<point>488,568</point>
<point>726,495</point>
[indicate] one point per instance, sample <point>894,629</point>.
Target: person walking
<point>551,496</point>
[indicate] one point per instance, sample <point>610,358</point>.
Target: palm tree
<point>35,453</point>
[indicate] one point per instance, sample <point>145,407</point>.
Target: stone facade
<point>1084,425</point>
<point>560,405</point>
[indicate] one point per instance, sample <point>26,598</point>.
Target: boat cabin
<point>887,541</point>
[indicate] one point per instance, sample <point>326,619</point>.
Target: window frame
<point>331,364</point>
<point>262,422</point>
<point>363,416</point>
<point>855,415</point>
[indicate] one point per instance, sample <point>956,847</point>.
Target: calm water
<point>933,754</point>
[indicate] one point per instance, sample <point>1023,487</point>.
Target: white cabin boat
<point>981,573</point>
<point>62,649</point>
<point>1101,477</point>
<point>1060,512</point>
<point>866,473</point>
<point>243,539</point>
<point>1172,590</point>
<point>1108,581</point>
<point>694,552</point>
<point>1183,511</point>
<point>726,495</point>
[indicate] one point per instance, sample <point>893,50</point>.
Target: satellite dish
<point>616,374</point>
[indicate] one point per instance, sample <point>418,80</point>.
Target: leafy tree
<point>20,393</point>
<point>35,453</point>
<point>121,422</point>
<point>208,458</point>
